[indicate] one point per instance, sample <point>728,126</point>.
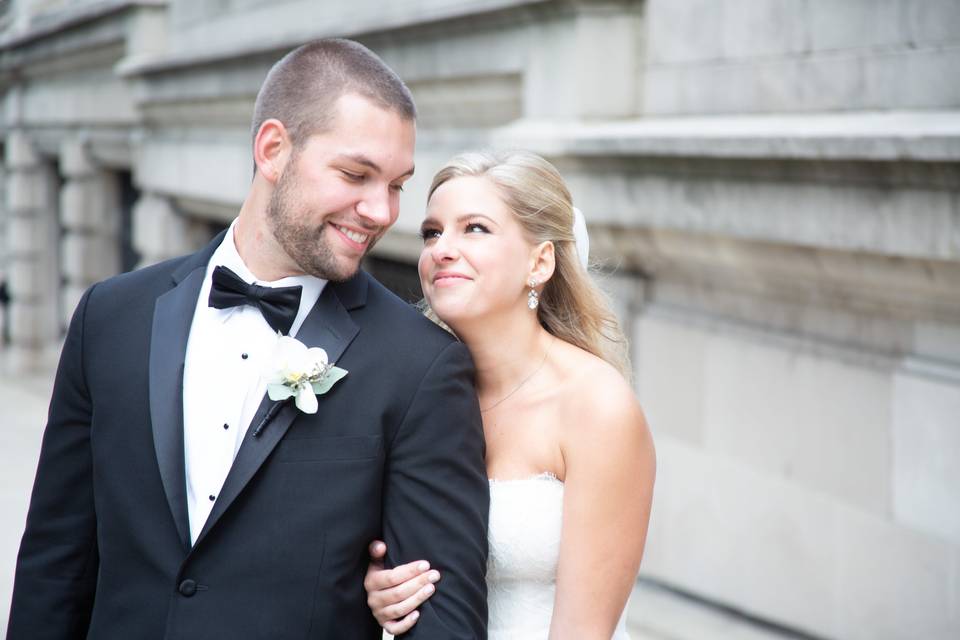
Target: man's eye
<point>352,177</point>
<point>397,188</point>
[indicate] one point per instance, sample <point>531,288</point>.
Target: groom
<point>173,499</point>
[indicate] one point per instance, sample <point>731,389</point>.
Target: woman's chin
<point>453,315</point>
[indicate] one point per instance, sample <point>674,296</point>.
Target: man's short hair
<point>301,89</point>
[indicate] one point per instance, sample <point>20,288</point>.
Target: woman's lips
<point>449,279</point>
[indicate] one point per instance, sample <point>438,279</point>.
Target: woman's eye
<point>429,234</point>
<point>398,188</point>
<point>476,227</point>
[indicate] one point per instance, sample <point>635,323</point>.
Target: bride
<point>569,455</point>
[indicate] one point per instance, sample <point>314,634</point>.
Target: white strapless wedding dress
<point>525,521</point>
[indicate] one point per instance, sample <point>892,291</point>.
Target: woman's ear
<point>543,261</point>
<point>271,149</point>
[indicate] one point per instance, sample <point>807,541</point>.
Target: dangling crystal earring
<point>533,298</point>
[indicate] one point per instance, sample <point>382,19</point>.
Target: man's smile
<point>355,237</point>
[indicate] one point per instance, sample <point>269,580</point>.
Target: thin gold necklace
<point>546,352</point>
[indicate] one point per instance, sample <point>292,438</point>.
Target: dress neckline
<point>546,475</point>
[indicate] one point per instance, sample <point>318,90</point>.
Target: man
<point>173,499</point>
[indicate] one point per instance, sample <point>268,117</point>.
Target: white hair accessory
<point>581,237</point>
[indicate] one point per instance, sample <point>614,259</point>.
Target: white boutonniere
<point>301,373</point>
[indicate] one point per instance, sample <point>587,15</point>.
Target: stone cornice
<point>339,25</point>
<point>51,25</point>
<point>874,136</point>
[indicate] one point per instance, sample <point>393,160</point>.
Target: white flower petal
<point>306,399</point>
<point>291,352</point>
<point>317,355</point>
<point>287,358</point>
<point>288,369</point>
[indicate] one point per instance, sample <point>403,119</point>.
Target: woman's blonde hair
<point>571,307</point>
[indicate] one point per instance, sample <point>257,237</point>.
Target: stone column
<point>90,216</point>
<point>4,256</point>
<point>161,232</point>
<point>32,238</point>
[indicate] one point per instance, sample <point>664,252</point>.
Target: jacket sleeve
<point>436,497</point>
<point>58,561</point>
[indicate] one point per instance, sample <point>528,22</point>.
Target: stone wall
<point>773,189</point>
<point>759,56</point>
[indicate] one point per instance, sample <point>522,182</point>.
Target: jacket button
<point>187,588</point>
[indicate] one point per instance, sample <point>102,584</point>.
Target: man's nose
<point>376,208</point>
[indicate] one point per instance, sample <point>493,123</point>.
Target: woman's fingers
<point>393,595</point>
<point>400,610</point>
<point>396,627</point>
<point>377,549</point>
<point>378,579</point>
<point>396,602</point>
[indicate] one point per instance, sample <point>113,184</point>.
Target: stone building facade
<point>773,190</point>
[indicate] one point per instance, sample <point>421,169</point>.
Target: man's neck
<point>258,248</point>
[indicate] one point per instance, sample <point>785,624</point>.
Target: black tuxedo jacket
<point>394,451</point>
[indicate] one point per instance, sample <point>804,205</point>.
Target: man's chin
<point>347,268</point>
<point>343,276</point>
<point>343,271</point>
<point>338,268</point>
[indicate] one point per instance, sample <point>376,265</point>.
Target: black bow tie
<point>279,305</point>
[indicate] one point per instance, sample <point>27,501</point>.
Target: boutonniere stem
<point>274,410</point>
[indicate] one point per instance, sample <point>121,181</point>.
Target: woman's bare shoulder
<point>597,397</point>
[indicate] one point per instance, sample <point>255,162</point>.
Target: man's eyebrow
<point>361,159</point>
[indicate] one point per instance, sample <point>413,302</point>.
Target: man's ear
<point>271,149</point>
<point>543,261</point>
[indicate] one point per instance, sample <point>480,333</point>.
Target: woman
<point>569,456</point>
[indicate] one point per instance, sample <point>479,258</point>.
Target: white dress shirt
<point>222,378</point>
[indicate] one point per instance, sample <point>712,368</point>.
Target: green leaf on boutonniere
<point>278,391</point>
<point>334,374</point>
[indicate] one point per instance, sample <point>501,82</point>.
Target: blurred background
<point>773,193</point>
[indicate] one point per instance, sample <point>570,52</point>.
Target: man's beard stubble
<point>305,245</point>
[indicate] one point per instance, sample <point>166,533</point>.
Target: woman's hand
<point>393,595</point>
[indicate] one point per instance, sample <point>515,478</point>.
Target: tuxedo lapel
<point>328,326</point>
<point>172,317</point>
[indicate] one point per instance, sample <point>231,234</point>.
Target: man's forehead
<point>352,102</point>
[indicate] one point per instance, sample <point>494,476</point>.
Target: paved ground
<point>655,613</point>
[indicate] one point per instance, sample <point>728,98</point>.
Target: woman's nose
<point>444,249</point>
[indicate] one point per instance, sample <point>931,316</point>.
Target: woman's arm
<point>608,487</point>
